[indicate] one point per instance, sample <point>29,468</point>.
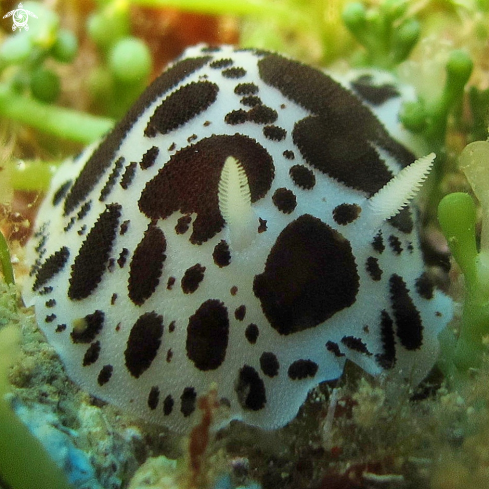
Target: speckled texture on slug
<point>149,297</point>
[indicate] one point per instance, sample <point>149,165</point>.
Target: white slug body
<point>150,287</point>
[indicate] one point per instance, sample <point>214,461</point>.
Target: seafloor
<point>434,439</point>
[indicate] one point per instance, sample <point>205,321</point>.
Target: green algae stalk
<point>24,464</point>
<point>33,176</point>
<point>457,216</point>
<point>5,263</point>
<point>474,161</point>
<point>384,31</point>
<point>61,122</point>
<point>458,70</point>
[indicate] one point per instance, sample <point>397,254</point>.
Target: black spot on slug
<point>181,106</point>
<point>409,327</point>
<point>143,343</point>
<point>52,266</point>
<point>91,261</point>
<point>250,389</point>
<point>192,278</point>
<point>269,364</point>
<point>188,400</point>
<point>88,327</point>
<point>169,191</point>
<point>310,274</point>
<point>207,335</point>
<point>147,265</point>
<point>301,369</point>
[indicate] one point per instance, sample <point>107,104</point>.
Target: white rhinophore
<point>402,189</point>
<point>235,204</point>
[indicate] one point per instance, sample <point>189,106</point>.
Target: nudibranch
<point>246,225</point>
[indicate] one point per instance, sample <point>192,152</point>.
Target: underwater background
<point>63,84</point>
